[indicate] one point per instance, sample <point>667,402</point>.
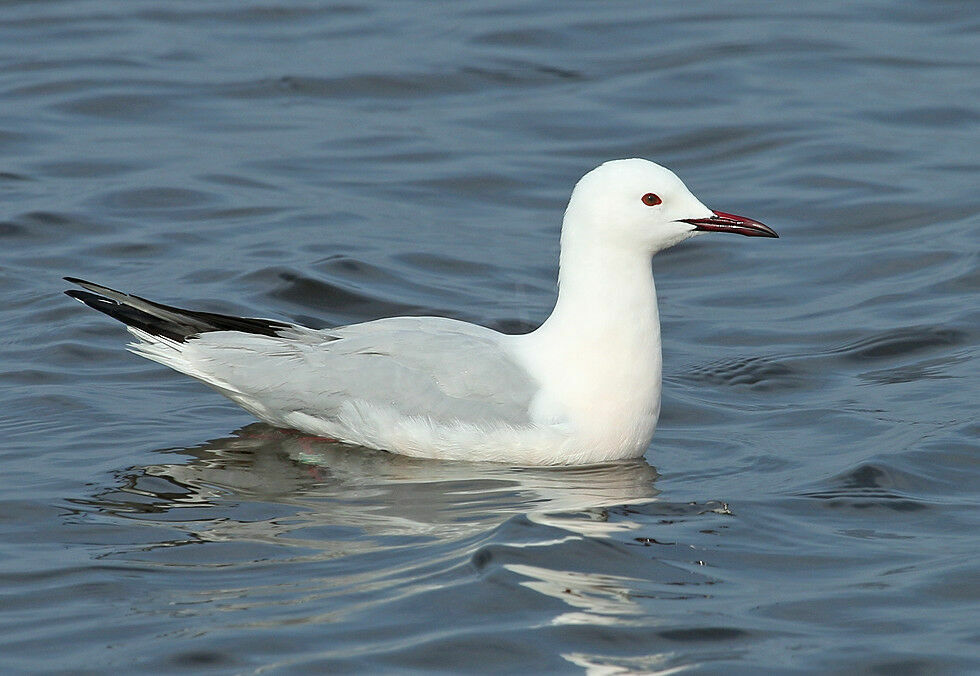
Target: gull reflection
<point>312,486</point>
<point>299,530</point>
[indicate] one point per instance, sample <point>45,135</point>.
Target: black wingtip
<point>165,320</point>
<point>131,316</point>
<point>96,288</point>
<point>79,281</point>
<point>93,300</point>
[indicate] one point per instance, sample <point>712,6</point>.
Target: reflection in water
<point>597,598</point>
<point>345,535</point>
<point>329,484</point>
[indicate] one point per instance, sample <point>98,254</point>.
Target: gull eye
<point>651,200</point>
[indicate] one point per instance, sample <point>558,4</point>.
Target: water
<point>810,500</point>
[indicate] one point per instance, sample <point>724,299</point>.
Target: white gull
<point>582,388</point>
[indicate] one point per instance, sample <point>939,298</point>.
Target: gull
<point>582,388</point>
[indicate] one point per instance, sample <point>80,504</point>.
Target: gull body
<point>582,388</point>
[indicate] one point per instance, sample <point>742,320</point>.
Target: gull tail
<point>165,321</point>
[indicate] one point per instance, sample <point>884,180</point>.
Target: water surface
<point>810,500</point>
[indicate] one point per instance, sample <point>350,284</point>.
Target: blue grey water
<point>811,500</point>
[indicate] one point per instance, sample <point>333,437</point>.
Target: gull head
<point>638,204</point>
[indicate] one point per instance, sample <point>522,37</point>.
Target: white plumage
<point>582,388</point>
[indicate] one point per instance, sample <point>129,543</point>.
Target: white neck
<point>605,293</point>
<point>598,354</point>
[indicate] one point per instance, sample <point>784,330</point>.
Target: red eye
<point>651,200</point>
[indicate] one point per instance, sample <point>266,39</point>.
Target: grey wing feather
<point>430,367</point>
